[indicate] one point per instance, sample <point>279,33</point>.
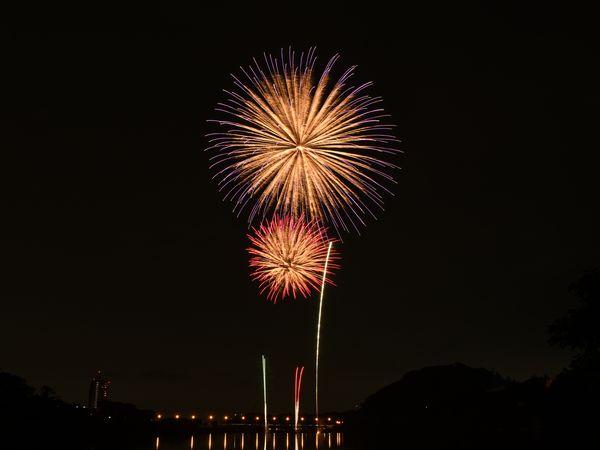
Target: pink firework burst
<point>288,257</point>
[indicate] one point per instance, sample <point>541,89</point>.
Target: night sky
<point>119,254</point>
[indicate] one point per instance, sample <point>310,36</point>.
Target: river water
<point>324,440</point>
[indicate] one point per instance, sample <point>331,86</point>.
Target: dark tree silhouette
<point>13,389</point>
<point>575,393</point>
<point>47,392</point>
<point>579,330</point>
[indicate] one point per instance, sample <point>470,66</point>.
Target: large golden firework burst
<point>300,148</point>
<point>288,257</point>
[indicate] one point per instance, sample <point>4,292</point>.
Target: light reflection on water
<point>323,440</point>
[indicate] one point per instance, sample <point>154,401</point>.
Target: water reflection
<point>272,441</point>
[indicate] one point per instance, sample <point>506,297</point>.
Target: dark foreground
<point>441,407</point>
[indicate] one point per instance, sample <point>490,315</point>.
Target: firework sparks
<point>319,330</point>
<point>296,147</point>
<point>288,256</point>
<point>264,380</point>
<point>297,388</point>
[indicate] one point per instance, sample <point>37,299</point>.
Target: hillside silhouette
<point>456,406</point>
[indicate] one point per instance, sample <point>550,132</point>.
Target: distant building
<point>98,391</point>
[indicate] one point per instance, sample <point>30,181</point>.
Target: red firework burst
<point>288,257</point>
